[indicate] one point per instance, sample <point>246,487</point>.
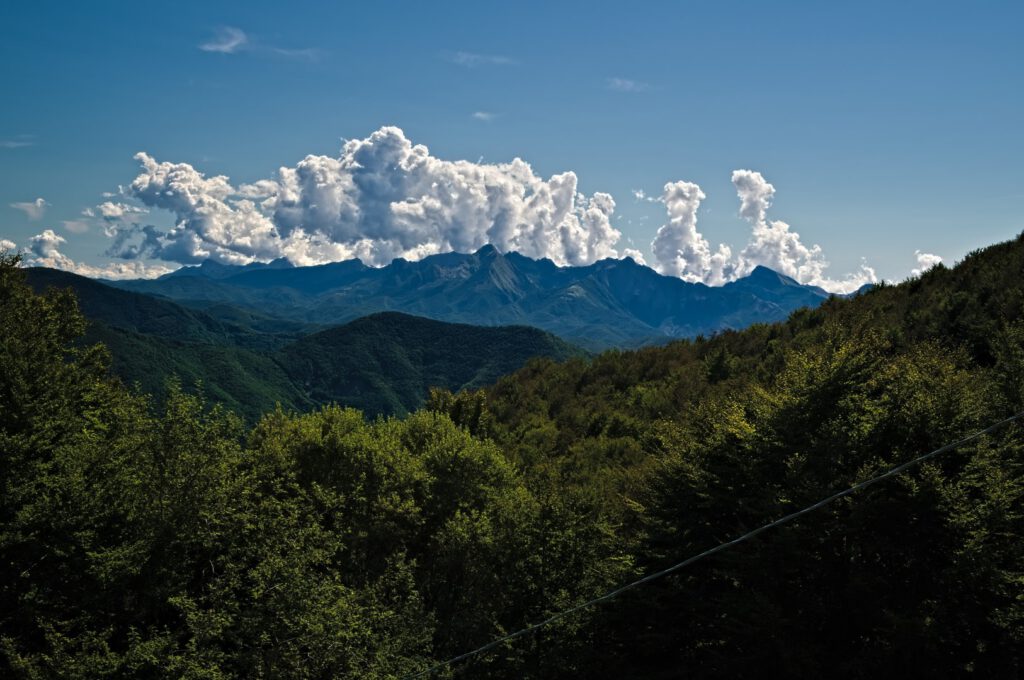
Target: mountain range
<point>384,363</point>
<point>378,339</point>
<point>611,303</point>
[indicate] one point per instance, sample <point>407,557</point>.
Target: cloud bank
<point>384,197</point>
<point>381,199</point>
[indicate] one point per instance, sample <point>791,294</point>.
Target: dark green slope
<point>696,442</point>
<point>251,361</point>
<point>338,541</point>
<point>386,363</point>
<point>250,383</point>
<point>975,308</point>
<point>146,314</point>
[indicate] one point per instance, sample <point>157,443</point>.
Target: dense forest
<point>161,537</point>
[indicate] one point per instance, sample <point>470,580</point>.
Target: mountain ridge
<point>383,363</point>
<point>609,303</point>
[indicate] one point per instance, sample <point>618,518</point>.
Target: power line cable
<point>711,551</point>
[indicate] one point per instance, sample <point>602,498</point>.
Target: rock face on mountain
<point>606,304</point>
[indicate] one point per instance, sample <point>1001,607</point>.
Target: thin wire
<point>711,551</point>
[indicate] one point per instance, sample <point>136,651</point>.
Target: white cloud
<point>626,85</point>
<point>114,212</point>
<point>472,59</point>
<point>925,261</point>
<point>231,40</point>
<point>382,198</point>
<point>483,115</point>
<point>44,251</point>
<point>228,40</point>
<point>33,209</point>
<point>76,226</point>
<point>641,195</point>
<point>45,245</point>
<point>637,256</point>
<point>7,245</point>
<point>773,245</point>
<point>679,249</point>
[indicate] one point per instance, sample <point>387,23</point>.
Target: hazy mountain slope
<point>149,315</point>
<point>609,303</point>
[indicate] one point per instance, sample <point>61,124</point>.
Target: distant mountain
<point>609,303</point>
<point>381,364</point>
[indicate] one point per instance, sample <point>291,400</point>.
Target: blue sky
<point>885,128</point>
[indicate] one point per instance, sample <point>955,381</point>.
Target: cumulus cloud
<point>679,249</point>
<point>635,255</point>
<point>774,245</point>
<point>7,245</point>
<point>45,245</point>
<point>626,85</point>
<point>44,251</point>
<point>227,40</point>
<point>925,261</point>
<point>382,198</point>
<point>33,209</point>
<point>117,212</point>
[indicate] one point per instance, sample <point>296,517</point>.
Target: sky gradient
<point>883,129</point>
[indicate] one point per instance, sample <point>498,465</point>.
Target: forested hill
<point>382,364</point>
<point>182,544</point>
<point>385,362</point>
<point>697,442</point>
<point>974,312</point>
